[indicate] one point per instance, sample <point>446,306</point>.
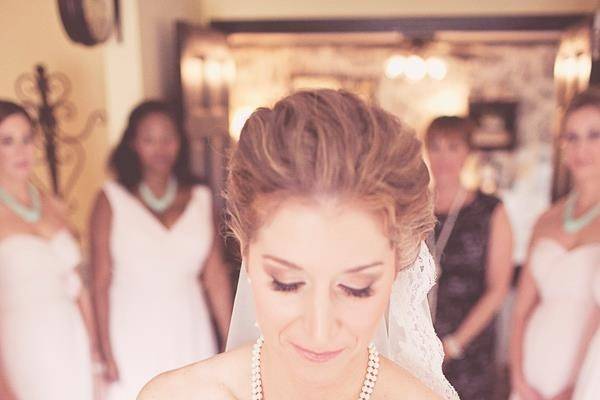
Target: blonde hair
<point>327,142</point>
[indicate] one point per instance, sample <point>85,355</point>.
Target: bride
<point>329,199</point>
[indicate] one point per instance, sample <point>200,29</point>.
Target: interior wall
<point>241,9</point>
<point>157,31</point>
<point>32,33</point>
<point>123,71</point>
<point>141,64</point>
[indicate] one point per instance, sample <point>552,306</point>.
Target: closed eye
<point>570,137</point>
<point>364,292</point>
<point>286,287</point>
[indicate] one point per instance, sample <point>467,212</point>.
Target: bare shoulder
<point>397,383</point>
<point>57,205</point>
<point>550,220</point>
<point>223,377</point>
<point>101,210</point>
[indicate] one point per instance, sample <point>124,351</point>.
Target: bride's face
<point>321,275</point>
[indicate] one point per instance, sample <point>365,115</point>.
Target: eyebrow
<point>296,267</point>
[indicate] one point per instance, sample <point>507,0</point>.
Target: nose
<point>320,321</point>
<point>23,147</point>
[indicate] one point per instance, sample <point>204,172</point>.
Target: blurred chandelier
<point>415,68</point>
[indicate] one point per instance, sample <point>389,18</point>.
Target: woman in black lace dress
<point>474,250</point>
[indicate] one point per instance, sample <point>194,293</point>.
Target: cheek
<point>595,149</point>
<point>362,316</point>
<point>143,150</point>
<point>172,147</point>
<point>275,310</point>
<point>9,154</point>
<point>5,154</point>
<point>30,151</point>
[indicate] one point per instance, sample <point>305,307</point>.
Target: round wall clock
<point>88,22</point>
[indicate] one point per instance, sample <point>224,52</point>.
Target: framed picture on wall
<point>495,124</point>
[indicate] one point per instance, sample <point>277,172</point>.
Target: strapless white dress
<point>588,383</point>
<point>556,327</point>
<point>44,346</point>
<point>159,319</point>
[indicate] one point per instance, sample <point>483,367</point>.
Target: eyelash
<point>10,141</point>
<point>292,287</point>
<point>361,293</point>
<point>286,287</point>
<point>572,138</point>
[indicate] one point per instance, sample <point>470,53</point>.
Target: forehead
<point>15,123</point>
<point>322,234</point>
<point>154,122</point>
<point>583,118</point>
<point>447,137</point>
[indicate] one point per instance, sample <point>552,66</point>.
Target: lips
<point>317,357</point>
<point>22,165</point>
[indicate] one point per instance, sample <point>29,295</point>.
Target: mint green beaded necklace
<point>573,225</point>
<point>29,214</point>
<point>159,204</point>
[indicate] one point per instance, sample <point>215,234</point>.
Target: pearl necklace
<point>159,204</point>
<point>572,225</point>
<point>368,383</point>
<point>28,214</point>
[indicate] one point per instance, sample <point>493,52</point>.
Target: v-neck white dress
<point>44,347</point>
<point>159,319</point>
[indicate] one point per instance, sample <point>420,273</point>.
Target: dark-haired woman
<point>155,257</point>
<point>44,310</point>
<point>474,246</point>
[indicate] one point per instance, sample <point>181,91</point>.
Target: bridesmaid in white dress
<point>156,258</point>
<point>554,315</point>
<point>45,350</point>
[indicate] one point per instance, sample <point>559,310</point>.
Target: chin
<point>19,175</point>
<point>319,374</point>
<point>162,170</point>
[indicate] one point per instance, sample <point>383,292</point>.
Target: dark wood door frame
<point>408,25</point>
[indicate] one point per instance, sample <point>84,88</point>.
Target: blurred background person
<point>554,317</point>
<point>473,245</point>
<point>45,351</point>
<point>155,256</point>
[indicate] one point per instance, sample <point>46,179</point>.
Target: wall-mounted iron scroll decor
<point>46,97</point>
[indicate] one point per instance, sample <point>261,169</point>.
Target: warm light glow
<point>559,68</point>
<point>584,67</point>
<point>229,71</point>
<point>213,72</point>
<point>191,70</point>
<point>394,67</point>
<point>436,68</point>
<point>238,119</point>
<point>570,68</point>
<point>449,99</point>
<point>415,68</point>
